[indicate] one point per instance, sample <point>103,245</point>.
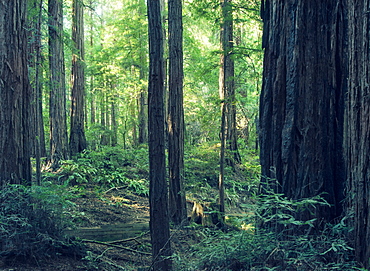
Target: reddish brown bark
<point>301,104</point>
<point>15,93</point>
<point>176,113</point>
<point>77,141</point>
<point>57,107</point>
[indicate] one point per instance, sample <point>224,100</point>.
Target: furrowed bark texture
<point>358,127</point>
<point>77,141</point>
<point>158,190</point>
<point>37,133</point>
<point>57,107</point>
<point>301,104</point>
<point>176,113</point>
<point>15,94</point>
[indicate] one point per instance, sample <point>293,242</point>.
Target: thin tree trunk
<point>143,105</point>
<point>114,123</point>
<point>227,84</point>
<point>221,177</point>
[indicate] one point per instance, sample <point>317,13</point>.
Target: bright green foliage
<point>201,53</point>
<point>107,168</point>
<point>116,62</point>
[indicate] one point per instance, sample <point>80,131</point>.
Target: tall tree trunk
<point>37,133</point>
<point>92,87</point>
<point>301,104</point>
<point>358,127</point>
<point>57,107</point>
<point>77,141</point>
<point>227,84</point>
<point>158,191</point>
<point>176,113</point>
<point>15,91</point>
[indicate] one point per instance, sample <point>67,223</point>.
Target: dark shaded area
<point>301,104</point>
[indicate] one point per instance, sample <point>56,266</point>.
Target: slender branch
<point>115,246</point>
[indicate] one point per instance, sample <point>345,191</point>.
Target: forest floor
<point>115,207</point>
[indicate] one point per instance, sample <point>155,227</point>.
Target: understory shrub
<point>106,168</point>
<point>257,248</point>
<point>32,220</point>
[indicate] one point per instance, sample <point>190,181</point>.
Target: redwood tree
<point>37,133</point>
<point>358,127</point>
<point>176,113</point>
<point>227,84</point>
<point>57,107</point>
<point>301,104</point>
<point>229,151</point>
<point>77,142</point>
<point>158,190</point>
<point>15,166</point>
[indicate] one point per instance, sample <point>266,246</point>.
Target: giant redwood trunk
<point>15,164</point>
<point>301,104</point>
<point>358,127</point>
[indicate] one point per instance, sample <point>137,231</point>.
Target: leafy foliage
<point>106,168</point>
<point>32,222</point>
<point>256,248</point>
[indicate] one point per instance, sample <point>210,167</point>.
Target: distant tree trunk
<point>92,102</point>
<point>143,117</point>
<point>143,105</point>
<point>77,142</point>
<point>227,84</point>
<point>158,192</point>
<point>15,91</point>
<point>92,90</point>
<point>114,123</point>
<point>358,127</point>
<point>104,139</point>
<point>178,211</point>
<point>57,107</point>
<point>301,104</point>
<point>221,176</point>
<point>37,140</point>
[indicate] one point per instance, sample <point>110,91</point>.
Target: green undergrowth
<point>202,171</point>
<point>32,222</point>
<point>257,247</point>
<point>106,168</point>
<point>268,235</point>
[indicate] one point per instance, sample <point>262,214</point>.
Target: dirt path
<point>102,211</point>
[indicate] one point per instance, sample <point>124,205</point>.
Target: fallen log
<point>108,233</point>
